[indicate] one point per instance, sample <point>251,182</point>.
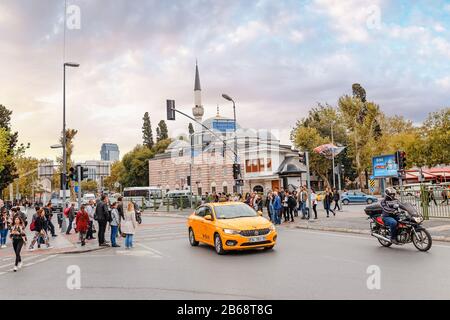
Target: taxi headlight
<point>272,227</point>
<point>231,231</point>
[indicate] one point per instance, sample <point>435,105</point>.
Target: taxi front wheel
<point>218,244</point>
<point>192,238</point>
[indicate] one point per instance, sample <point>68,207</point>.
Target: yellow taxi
<point>230,226</point>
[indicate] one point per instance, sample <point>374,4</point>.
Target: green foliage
<point>147,134</point>
<point>162,132</point>
<point>70,137</point>
<point>89,186</point>
<point>4,144</point>
<point>135,165</point>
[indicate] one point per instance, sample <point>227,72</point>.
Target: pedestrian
<point>114,224</point>
<point>5,224</point>
<point>292,203</point>
<point>90,211</point>
<point>276,208</point>
<point>303,199</point>
<point>15,212</point>
<point>71,217</point>
<point>19,239</point>
<point>82,224</point>
<point>269,205</point>
<point>314,203</point>
<point>336,198</point>
<point>39,226</point>
<point>327,200</point>
<point>102,217</point>
<point>128,225</point>
<point>49,216</point>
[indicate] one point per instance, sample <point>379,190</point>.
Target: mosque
<point>206,161</point>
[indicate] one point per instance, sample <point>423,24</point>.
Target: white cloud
<point>442,46</point>
<point>444,82</point>
<point>297,36</point>
<point>439,27</point>
<point>351,18</point>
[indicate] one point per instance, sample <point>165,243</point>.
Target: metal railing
<point>431,200</point>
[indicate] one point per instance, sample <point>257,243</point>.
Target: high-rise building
<point>110,152</point>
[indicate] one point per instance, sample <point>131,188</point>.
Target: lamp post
<point>71,65</point>
<point>227,97</point>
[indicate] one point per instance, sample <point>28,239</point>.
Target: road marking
<point>149,249</point>
<point>28,264</point>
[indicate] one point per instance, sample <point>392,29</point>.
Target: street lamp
<point>71,65</point>
<point>227,97</point>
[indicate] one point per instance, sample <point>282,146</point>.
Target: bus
<point>145,197</point>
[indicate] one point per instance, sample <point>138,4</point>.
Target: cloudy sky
<point>276,58</point>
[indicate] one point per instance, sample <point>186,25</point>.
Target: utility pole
<point>308,183</point>
<point>79,186</point>
<point>332,150</point>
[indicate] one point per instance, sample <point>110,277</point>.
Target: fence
<point>431,200</point>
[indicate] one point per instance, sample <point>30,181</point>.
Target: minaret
<point>198,110</point>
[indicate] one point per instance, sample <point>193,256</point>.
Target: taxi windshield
<point>234,211</point>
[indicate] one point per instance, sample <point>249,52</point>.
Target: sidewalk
<point>351,220</point>
<point>357,222</point>
<point>62,244</point>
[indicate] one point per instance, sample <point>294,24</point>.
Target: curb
<point>358,231</point>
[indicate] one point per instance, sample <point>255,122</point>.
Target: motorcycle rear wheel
<point>385,243</point>
<point>424,242</point>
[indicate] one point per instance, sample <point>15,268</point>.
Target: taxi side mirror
<point>260,213</point>
<point>208,217</point>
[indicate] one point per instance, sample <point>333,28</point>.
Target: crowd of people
<point>284,204</point>
<point>93,217</point>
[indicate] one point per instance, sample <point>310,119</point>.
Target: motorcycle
<point>138,213</point>
<point>409,227</point>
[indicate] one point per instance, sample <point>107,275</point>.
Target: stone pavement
<point>351,220</point>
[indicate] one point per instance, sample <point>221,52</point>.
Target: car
<point>230,226</point>
<point>357,197</point>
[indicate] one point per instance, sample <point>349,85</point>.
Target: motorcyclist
<point>390,207</point>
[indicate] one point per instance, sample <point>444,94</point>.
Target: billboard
<point>223,125</point>
<point>384,166</point>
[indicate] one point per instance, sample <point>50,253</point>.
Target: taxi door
<point>209,226</point>
<point>197,223</point>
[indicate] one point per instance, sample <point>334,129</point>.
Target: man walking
<point>102,217</point>
<point>71,217</point>
<point>336,198</point>
<point>276,208</point>
<point>90,211</point>
<point>49,216</point>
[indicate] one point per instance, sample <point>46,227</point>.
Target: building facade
<point>265,163</point>
<point>109,152</point>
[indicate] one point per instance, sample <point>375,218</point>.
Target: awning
<point>291,166</point>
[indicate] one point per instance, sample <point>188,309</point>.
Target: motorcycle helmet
<point>390,194</point>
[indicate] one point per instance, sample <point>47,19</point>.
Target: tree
<point>4,144</point>
<point>135,164</point>
<point>70,136</point>
<point>89,186</point>
<point>117,175</point>
<point>147,134</point>
<point>436,131</point>
<point>162,132</point>
<point>12,149</point>
<point>191,128</point>
<point>27,175</point>
<point>360,119</point>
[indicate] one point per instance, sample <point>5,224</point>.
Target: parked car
<point>357,197</point>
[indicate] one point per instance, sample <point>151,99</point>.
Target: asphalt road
<point>304,265</point>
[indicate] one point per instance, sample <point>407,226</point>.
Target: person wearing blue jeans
<point>115,223</point>
<point>3,235</point>
<point>392,224</point>
<point>129,241</point>
<point>390,207</point>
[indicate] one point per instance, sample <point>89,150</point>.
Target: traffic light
<point>72,174</point>
<point>236,171</point>
<point>170,109</point>
<point>302,158</point>
<point>84,173</point>
<point>188,180</point>
<point>400,159</point>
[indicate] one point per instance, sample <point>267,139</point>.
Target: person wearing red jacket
<point>82,224</point>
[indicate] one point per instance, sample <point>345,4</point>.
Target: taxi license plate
<point>257,239</point>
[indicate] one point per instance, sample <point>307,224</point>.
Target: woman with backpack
<point>82,224</point>
<point>19,239</point>
<point>39,226</point>
<point>128,225</point>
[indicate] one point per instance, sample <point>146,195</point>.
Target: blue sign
<point>223,125</point>
<point>384,166</point>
